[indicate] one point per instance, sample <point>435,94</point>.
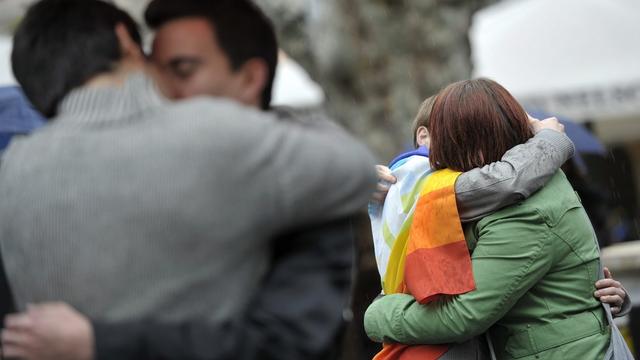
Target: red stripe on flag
<point>414,352</point>
<point>444,270</point>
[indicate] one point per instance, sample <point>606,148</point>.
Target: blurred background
<point>370,63</point>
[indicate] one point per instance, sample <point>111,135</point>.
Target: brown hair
<point>422,119</point>
<point>473,123</point>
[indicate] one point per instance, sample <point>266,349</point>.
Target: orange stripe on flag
<point>445,270</point>
<point>436,221</point>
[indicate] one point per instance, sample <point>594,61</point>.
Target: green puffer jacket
<point>535,265</point>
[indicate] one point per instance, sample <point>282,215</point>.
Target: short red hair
<point>473,123</point>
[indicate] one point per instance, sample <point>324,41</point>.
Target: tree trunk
<point>377,59</point>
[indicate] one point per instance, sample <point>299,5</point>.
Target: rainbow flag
<point>419,237</point>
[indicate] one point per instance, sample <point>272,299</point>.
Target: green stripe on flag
<point>387,235</point>
<point>410,198</point>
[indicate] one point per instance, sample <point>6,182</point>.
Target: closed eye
<point>184,67</point>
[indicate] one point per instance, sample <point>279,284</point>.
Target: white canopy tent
<point>578,58</point>
<point>294,87</point>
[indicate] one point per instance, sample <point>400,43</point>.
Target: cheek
<point>166,82</point>
<point>186,88</point>
<point>204,83</point>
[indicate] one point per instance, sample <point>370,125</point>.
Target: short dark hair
<point>61,44</point>
<point>473,123</point>
<point>243,31</point>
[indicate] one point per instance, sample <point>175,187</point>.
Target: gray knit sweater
<point>127,205</point>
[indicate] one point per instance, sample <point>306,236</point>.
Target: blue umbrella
<point>4,140</point>
<point>583,139</point>
<point>17,115</point>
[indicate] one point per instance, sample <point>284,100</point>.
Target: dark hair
<point>243,31</point>
<point>473,123</point>
<point>61,44</point>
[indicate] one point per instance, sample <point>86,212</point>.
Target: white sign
<point>613,101</point>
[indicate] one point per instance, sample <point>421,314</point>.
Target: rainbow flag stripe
<point>437,257</point>
<point>428,257</point>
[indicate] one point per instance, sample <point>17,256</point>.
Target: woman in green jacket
<point>534,263</point>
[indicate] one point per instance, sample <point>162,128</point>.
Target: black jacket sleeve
<point>297,314</point>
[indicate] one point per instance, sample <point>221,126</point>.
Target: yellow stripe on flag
<point>394,276</point>
<point>440,179</point>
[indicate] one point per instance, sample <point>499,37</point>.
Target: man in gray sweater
<point>513,172</point>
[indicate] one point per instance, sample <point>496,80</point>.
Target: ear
<point>254,76</point>
<point>129,49</point>
<point>422,136</point>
